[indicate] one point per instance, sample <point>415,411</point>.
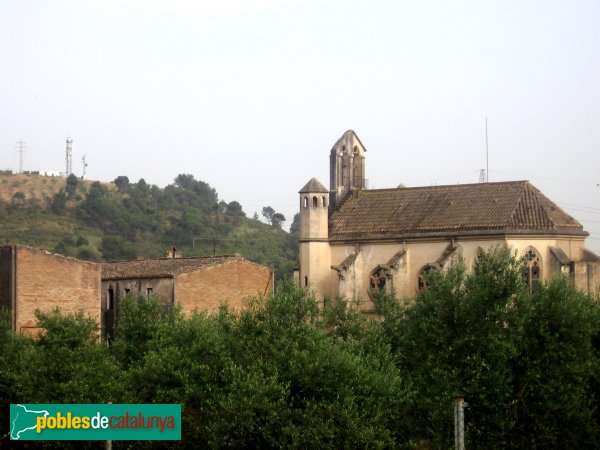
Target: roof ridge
<point>161,267</point>
<point>440,186</point>
<point>179,258</point>
<point>228,255</point>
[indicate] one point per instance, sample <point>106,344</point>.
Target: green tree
<point>525,362</point>
<point>122,183</point>
<point>295,226</point>
<point>65,363</point>
<point>71,186</point>
<point>273,217</point>
<point>115,247</point>
<point>268,213</point>
<point>59,201</point>
<point>18,200</point>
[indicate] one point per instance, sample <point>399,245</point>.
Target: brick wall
<point>45,281</point>
<point>227,283</point>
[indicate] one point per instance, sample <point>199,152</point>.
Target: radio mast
<point>84,166</point>
<point>20,151</point>
<point>484,174</point>
<point>69,157</point>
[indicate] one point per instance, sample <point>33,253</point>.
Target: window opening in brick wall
<point>110,304</point>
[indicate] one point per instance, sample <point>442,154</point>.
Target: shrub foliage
<point>284,374</point>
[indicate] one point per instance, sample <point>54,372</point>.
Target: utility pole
<point>20,151</point>
<point>459,423</point>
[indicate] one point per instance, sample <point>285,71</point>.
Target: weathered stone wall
<point>227,283</point>
<point>114,290</point>
<point>587,276</point>
<point>420,253</point>
<point>160,287</point>
<point>46,281</point>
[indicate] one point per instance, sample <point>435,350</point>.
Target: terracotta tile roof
<point>506,206</point>
<point>161,268</point>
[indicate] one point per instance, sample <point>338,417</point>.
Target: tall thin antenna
<point>20,151</point>
<point>482,176</point>
<point>487,154</point>
<point>84,166</point>
<point>69,157</point>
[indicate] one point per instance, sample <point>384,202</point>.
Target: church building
<point>353,239</point>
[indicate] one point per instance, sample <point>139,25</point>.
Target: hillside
<point>36,186</point>
<point>120,220</point>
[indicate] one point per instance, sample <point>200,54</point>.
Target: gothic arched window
<point>377,280</point>
<point>424,273</point>
<point>315,202</point>
<point>306,202</point>
<point>323,201</point>
<point>532,269</point>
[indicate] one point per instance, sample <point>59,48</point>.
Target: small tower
<point>314,202</point>
<point>347,167</point>
<point>315,253</point>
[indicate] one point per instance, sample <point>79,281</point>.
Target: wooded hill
<point>121,220</point>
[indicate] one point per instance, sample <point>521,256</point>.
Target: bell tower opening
<point>346,167</point>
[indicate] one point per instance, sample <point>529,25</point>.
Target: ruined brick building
<point>197,283</point>
<point>353,239</point>
<point>33,279</point>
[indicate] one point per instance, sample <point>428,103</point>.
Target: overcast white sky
<point>250,95</point>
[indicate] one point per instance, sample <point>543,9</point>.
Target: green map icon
<point>24,420</point>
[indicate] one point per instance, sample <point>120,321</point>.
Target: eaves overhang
<point>140,277</point>
<point>470,234</point>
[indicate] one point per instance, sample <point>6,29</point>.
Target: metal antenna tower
<point>84,166</point>
<point>482,176</point>
<point>20,151</point>
<point>69,156</point>
<point>487,158</point>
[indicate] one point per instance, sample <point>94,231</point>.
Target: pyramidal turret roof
<point>314,186</point>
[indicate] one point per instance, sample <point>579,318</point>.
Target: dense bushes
<point>283,374</point>
<point>527,362</point>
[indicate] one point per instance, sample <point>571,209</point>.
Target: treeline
<point>127,220</point>
<point>284,374</point>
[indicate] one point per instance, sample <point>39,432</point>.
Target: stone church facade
<point>353,239</point>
